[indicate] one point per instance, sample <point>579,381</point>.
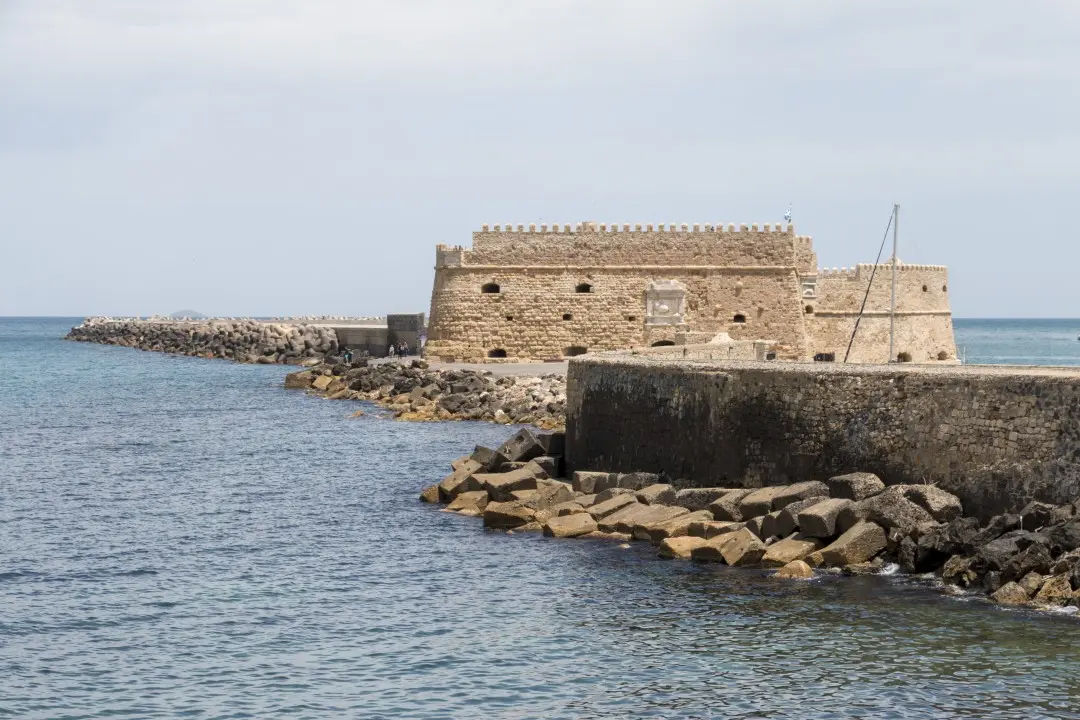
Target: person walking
<point>404,348</point>
<point>391,353</point>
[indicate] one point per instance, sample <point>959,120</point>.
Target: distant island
<point>181,314</point>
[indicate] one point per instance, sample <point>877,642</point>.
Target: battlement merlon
<point>589,228</point>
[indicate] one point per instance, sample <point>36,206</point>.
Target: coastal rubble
<point>1030,559</point>
<point>414,391</point>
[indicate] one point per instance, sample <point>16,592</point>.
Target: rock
<point>872,567</point>
<point>709,551</point>
<point>501,485</point>
<point>475,500</point>
<point>612,492</point>
<point>754,526</point>
<point>1032,582</point>
<point>322,382</point>
<point>585,500</point>
<point>460,480</point>
<point>522,446</point>
<point>790,549</point>
<point>998,526</point>
<point>819,520</point>
<point>727,507</point>
<point>458,462</point>
<point>603,509</point>
<point>787,521</point>
<point>768,525</point>
<point>553,443</point>
<point>942,506</point>
<point>549,495</point>
<point>957,570</point>
<point>996,554</point>
<point>1066,563</point>
<point>1055,591</point>
<point>658,494</point>
<point>710,529</point>
<point>698,498</point>
<point>430,494</point>
<point>299,380</point>
<point>907,556</point>
<point>641,515</point>
<point>889,509</point>
<point>946,540</point>
<point>570,525</point>
<point>855,486</point>
<point>526,497</point>
<point>506,515</point>
<point>598,535</point>
<point>489,459</point>
<point>589,482</point>
<point>629,511</point>
<point>674,527</point>
<point>799,491</point>
<point>759,502</point>
<point>680,547</point>
<point>637,480</point>
<point>552,465</point>
<point>1034,559</point>
<point>1036,515</point>
<point>567,508</point>
<point>795,570</point>
<point>742,548</point>
<point>1064,537</point>
<point>857,545</point>
<point>991,582</point>
<point>1010,594</point>
<point>531,526</point>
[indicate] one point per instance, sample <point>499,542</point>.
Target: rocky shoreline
<point>246,341</point>
<point>851,523</point>
<point>416,392</point>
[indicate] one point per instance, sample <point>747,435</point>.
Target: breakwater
<point>250,341</point>
<point>852,522</point>
<point>998,438</point>
<point>414,391</point>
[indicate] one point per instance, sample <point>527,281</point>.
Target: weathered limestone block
<point>506,515</point>
<point>711,529</point>
<point>490,460</point>
<point>709,551</point>
<point>603,509</point>
<point>1057,590</point>
<point>742,548</point>
<point>1031,582</point>
<point>795,570</point>
<point>727,507</point>
<point>299,380</point>
<point>658,494</point>
<point>698,498</point>
<point>610,521</point>
<point>474,500</point>
<point>612,492</point>
<point>1032,559</point>
<point>654,532</point>
<point>787,521</point>
<point>768,525</point>
<point>1010,594</point>
<point>943,506</point>
<point>799,491</point>
<point>637,480</point>
<point>855,486</point>
<point>889,508</point>
<point>790,549</point>
<point>589,482</point>
<point>549,494</point>
<point>585,500</point>
<point>759,502</point>
<point>430,494</point>
<point>601,535</point>
<point>1036,515</point>
<point>460,480</point>
<point>552,464</point>
<point>458,462</point>
<point>570,525</point>
<point>645,514</point>
<point>819,520</point>
<point>754,526</point>
<point>500,485</point>
<point>859,544</point>
<point>680,547</point>
<point>522,446</point>
<point>567,508</point>
<point>322,382</point>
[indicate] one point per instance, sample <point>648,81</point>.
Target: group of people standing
<point>400,350</point>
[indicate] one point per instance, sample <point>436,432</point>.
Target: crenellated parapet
<point>592,227</point>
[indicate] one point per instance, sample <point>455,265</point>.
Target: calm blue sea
<point>184,538</point>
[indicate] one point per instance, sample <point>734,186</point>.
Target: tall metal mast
<point>892,303</point>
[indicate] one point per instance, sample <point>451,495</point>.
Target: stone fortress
<point>553,292</point>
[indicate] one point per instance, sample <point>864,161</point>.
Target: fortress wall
<point>525,319</point>
<point>843,291</point>
<point>995,437</point>
<point>601,244</point>
<point>922,337</point>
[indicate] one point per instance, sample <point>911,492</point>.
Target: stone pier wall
<point>996,437</point>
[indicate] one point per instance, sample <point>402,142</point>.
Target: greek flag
<point>787,215</point>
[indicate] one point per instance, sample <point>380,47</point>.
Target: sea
<point>184,538</point>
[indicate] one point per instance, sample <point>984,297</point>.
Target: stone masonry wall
<point>517,294</point>
<point>995,437</point>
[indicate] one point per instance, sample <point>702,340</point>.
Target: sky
<point>286,157</point>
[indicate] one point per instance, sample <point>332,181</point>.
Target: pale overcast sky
<point>305,156</point>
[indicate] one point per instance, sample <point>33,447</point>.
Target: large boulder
<point>996,554</point>
<point>768,525</point>
<point>430,494</point>
<point>859,544</point>
<point>638,480</point>
<point>1064,537</point>
<point>889,508</point>
<point>855,486</point>
<point>742,548</point>
<point>787,520</point>
<point>677,526</point>
<point>714,528</point>
<point>590,482</point>
<point>796,570</point>
<point>759,502</point>
<point>645,515</point>
<point>470,503</point>
<point>629,512</point>
<point>505,515</point>
<point>943,506</point>
<point>958,570</point>
<point>463,479</point>
<point>680,547</point>
<point>1031,582</point>
<point>490,460</point>
<point>709,551</point>
<point>658,494</point>
<point>612,492</point>
<point>790,549</point>
<point>570,525</point>
<point>1036,515</point>
<point>603,509</point>
<point>1010,594</point>
<point>1057,590</point>
<point>699,498</point>
<point>522,446</point>
<point>553,443</point>
<point>799,491</point>
<point>819,520</point>
<point>501,485</point>
<point>1034,559</point>
<point>727,507</point>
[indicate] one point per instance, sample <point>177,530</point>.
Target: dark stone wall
<point>996,438</point>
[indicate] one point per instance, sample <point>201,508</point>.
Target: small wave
<point>890,569</point>
<point>18,575</point>
<point>138,572</point>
